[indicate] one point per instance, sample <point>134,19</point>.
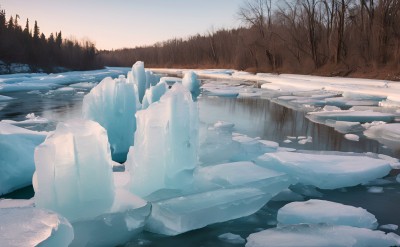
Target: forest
<point>51,54</point>
<point>328,37</point>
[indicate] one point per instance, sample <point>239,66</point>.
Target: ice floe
<point>29,226</point>
<point>326,171</point>
<point>388,134</point>
<point>320,211</point>
<point>17,146</point>
<point>322,236</point>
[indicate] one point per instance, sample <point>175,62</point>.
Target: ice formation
<point>168,129</point>
<point>232,238</point>
<point>112,104</point>
<point>388,134</point>
<point>74,177</point>
<point>151,79</point>
<point>288,196</point>
<point>352,137</point>
<point>153,94</point>
<point>344,127</point>
<point>216,144</point>
<point>222,192</point>
<point>319,211</point>
<point>321,236</point>
<point>244,173</point>
<point>191,82</point>
<point>169,80</point>
<point>326,171</point>
<point>74,171</point>
<point>17,146</point>
<point>138,75</point>
<point>29,226</point>
<point>181,214</point>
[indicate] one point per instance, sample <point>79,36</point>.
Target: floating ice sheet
<point>243,173</point>
<point>388,134</point>
<point>29,226</point>
<point>17,147</point>
<point>319,211</point>
<point>326,171</point>
<point>351,116</point>
<point>321,236</point>
<point>178,215</point>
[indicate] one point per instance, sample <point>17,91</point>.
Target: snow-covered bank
<point>383,88</point>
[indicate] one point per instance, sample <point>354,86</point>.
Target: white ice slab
<point>320,211</point>
<point>388,134</point>
<point>29,226</point>
<point>326,171</point>
<point>249,148</point>
<point>231,238</point>
<point>351,116</point>
<point>344,127</point>
<point>243,173</point>
<point>321,236</point>
<point>178,215</point>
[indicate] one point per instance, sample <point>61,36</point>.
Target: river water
<point>255,117</point>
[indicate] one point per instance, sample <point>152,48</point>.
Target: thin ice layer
<point>320,211</point>
<point>181,214</point>
<point>321,236</point>
<point>326,171</point>
<point>351,116</point>
<point>29,226</point>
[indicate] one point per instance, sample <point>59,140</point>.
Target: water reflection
<point>270,121</point>
<point>53,107</point>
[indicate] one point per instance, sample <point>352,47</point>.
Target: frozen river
<point>253,116</point>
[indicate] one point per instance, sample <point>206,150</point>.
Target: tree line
<point>335,37</point>
<point>29,46</point>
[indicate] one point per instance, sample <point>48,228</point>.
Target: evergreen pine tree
<point>36,32</point>
<point>26,29</point>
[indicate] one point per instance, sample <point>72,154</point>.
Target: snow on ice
<point>320,211</point>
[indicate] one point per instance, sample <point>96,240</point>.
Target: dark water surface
<point>254,117</point>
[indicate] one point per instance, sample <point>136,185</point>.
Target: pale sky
<point>113,24</point>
